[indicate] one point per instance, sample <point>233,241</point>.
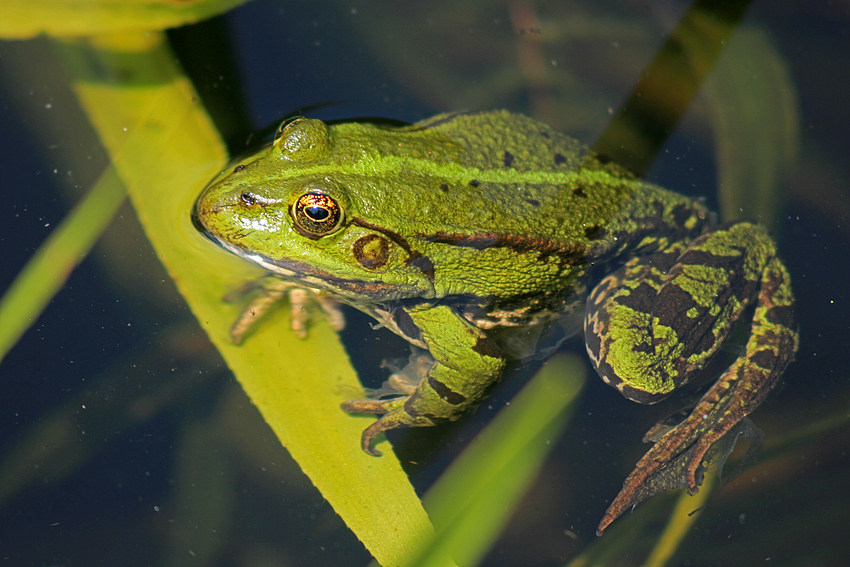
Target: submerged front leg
<point>267,292</point>
<point>466,362</point>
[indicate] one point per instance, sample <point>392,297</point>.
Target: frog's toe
<point>369,406</point>
<point>393,414</point>
<point>365,406</point>
<point>369,435</point>
<point>391,420</point>
<point>696,464</point>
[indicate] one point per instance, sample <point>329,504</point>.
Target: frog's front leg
<point>653,324</point>
<point>268,291</point>
<point>466,362</point>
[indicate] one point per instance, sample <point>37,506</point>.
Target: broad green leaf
<point>22,19</point>
<point>165,148</point>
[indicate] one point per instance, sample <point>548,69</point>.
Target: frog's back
<point>532,189</point>
<point>498,172</point>
<point>491,190</point>
<point>499,140</point>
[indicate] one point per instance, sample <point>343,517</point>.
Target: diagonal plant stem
<point>49,268</point>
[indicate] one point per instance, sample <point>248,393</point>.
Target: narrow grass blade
<point>46,272</point>
<point>684,515</point>
<point>473,501</point>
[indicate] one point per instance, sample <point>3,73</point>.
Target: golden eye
<point>316,215</point>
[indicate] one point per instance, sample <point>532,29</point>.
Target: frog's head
<point>289,209</point>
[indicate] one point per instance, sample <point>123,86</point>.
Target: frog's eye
<point>316,215</point>
<point>285,126</point>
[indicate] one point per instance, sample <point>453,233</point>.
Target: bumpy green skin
<point>460,226</point>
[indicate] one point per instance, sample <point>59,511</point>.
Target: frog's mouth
<point>309,276</point>
<point>345,288</point>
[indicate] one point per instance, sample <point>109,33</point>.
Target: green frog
<point>469,233</point>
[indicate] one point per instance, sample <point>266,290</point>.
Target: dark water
<point>114,405</point>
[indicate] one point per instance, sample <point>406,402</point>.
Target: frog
<point>469,232</point>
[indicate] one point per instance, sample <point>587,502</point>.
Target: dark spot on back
<point>508,158</point>
<point>444,187</point>
<point>559,159</point>
<point>594,232</point>
<point>474,183</point>
<point>533,202</point>
<point>544,134</point>
<point>732,265</point>
<point>641,299</point>
<point>238,168</point>
<point>579,192</point>
<point>603,159</point>
<point>681,214</point>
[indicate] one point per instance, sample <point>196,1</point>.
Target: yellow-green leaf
<point>164,147</point>
<point>21,19</point>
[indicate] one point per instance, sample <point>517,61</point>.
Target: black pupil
<point>317,213</point>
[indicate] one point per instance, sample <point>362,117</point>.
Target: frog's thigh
<point>742,387</point>
<point>467,361</point>
<point>654,323</point>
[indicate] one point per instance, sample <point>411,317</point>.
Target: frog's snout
<point>200,210</point>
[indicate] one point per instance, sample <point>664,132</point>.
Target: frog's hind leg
<point>669,319</point>
<point>747,382</point>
